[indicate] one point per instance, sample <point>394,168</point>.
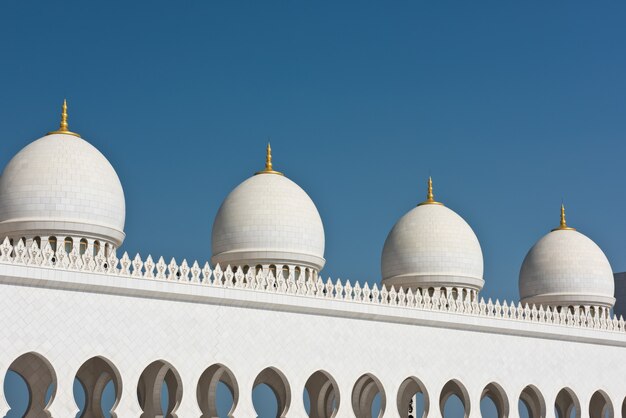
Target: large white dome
<point>268,219</point>
<point>432,246</point>
<point>60,185</point>
<point>566,268</point>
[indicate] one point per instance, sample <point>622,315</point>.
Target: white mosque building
<point>75,307</point>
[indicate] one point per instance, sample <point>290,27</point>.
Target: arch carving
<point>534,402</point>
<point>207,389</point>
<point>365,390</point>
<point>566,402</point>
<point>408,389</point>
<point>600,405</point>
<point>94,375</point>
<point>323,395</point>
<point>495,392</point>
<point>150,389</point>
<point>454,387</point>
<point>40,378</point>
<point>277,382</point>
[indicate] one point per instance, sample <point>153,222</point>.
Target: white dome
<point>432,246</point>
<point>60,185</point>
<point>565,268</point>
<point>268,219</point>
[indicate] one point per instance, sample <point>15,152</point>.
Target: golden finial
<point>430,197</point>
<point>63,127</point>
<point>268,158</point>
<point>268,162</point>
<point>563,226</point>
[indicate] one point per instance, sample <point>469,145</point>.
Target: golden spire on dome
<point>63,127</point>
<point>563,226</point>
<point>268,163</point>
<point>430,197</point>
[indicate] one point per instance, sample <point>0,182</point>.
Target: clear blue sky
<point>510,106</point>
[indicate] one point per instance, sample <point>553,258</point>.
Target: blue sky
<point>511,107</point>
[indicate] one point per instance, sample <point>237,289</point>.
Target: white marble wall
<point>69,317</point>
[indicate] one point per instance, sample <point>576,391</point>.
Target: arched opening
<point>368,397</point>
<point>217,392</point>
<point>96,248</point>
<point>37,241</point>
<point>98,377</point>
<point>493,401</point>
<point>412,398</point>
<point>454,400</point>
<point>600,406</point>
<point>624,408</point>
<point>566,404</point>
<point>53,243</point>
<point>34,373</point>
<point>246,269</point>
<point>271,382</point>
<point>159,390</point>
<point>321,395</point>
<point>69,244</point>
<point>531,403</point>
<point>83,246</point>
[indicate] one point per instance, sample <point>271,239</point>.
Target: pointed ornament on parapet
<point>63,126</point>
<point>563,225</point>
<point>430,197</point>
<point>269,169</point>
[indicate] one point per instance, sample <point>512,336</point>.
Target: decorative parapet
<point>294,280</point>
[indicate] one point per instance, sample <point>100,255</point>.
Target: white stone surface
<point>566,268</point>
<point>432,246</point>
<point>60,185</point>
<point>68,317</point>
<point>142,322</point>
<point>268,219</point>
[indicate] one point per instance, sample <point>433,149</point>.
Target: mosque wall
<point>72,310</point>
<point>142,329</point>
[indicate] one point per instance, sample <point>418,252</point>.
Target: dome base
<point>572,299</point>
<point>421,281</point>
<point>263,257</point>
<point>57,228</point>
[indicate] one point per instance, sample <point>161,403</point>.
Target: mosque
<point>76,308</point>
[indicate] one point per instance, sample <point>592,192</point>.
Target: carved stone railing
<point>295,283</point>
